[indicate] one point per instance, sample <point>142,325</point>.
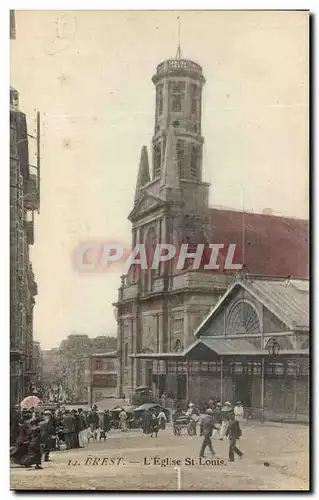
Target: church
<point>160,310</point>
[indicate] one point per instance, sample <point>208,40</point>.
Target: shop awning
<point>206,346</point>
<point>210,347</point>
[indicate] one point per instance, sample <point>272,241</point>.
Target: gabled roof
<point>287,300</point>
<point>157,202</point>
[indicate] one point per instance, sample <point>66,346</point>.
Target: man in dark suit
<point>68,424</point>
<point>233,432</point>
<point>206,430</point>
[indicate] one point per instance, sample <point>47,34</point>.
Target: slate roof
<point>274,246</point>
<point>290,302</point>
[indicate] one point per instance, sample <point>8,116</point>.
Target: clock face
<point>243,319</point>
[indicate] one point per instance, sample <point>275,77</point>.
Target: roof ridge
<point>249,212</point>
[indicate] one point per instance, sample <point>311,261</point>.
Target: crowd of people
<point>153,420</point>
<point>34,435</point>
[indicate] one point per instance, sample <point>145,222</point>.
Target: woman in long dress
<point>123,418</point>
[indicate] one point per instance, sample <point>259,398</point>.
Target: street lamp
<point>273,349</point>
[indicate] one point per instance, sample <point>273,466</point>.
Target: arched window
<point>126,354</point>
<point>195,98</point>
<point>150,245</point>
<point>159,99</point>
<point>180,157</point>
<point>157,160</point>
<point>177,93</point>
<point>194,162</point>
<point>178,346</point>
<point>243,318</point>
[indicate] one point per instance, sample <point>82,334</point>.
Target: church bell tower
<point>174,175</point>
<point>179,84</point>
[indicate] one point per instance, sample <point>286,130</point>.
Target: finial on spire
<point>179,51</point>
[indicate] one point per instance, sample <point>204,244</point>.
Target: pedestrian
<point>68,425</point>
<point>154,424</point>
<point>207,426</point>
<point>164,400</point>
<point>123,419</point>
<point>211,403</point>
<point>35,450</point>
<point>161,420</point>
<point>234,433</point>
<point>20,450</point>
<point>93,420</point>
<point>193,415</point>
<point>75,437</point>
<point>239,411</point>
<point>82,426</point>
<point>146,419</point>
<point>225,411</point>
<point>106,424</point>
<point>217,421</point>
<point>47,430</point>
<point>107,421</point>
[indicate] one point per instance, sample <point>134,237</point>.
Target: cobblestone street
<point>284,448</point>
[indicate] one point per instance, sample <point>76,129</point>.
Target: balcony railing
<point>199,280</point>
<point>178,64</point>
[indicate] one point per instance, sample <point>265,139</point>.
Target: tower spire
<point>179,51</point>
<point>143,176</point>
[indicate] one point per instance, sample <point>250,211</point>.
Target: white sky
<point>97,103</point>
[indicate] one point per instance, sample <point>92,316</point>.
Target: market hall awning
<point>209,348</point>
<point>212,348</point>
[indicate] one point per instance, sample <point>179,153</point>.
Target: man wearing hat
<point>206,428</point>
<point>233,432</point>
<point>217,420</point>
<point>225,411</point>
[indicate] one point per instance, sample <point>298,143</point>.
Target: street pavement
<point>276,458</point>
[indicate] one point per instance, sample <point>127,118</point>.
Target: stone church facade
<point>159,310</point>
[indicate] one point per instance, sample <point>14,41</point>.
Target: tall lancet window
<point>177,94</point>
<point>180,153</point>
<point>150,244</point>
<point>157,160</point>
<point>195,93</point>
<point>159,99</point>
<point>194,162</point>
